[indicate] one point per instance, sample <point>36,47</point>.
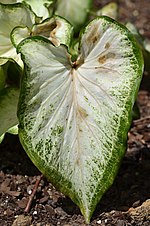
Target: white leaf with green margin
<point>11,16</point>
<point>56,29</point>
<point>8,110</point>
<point>74,117</point>
<point>18,34</point>
<point>40,7</point>
<point>75,11</point>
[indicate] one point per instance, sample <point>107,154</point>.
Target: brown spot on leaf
<point>53,37</point>
<point>44,29</point>
<point>48,30</point>
<point>102,59</point>
<point>94,35</point>
<point>82,112</point>
<point>107,45</point>
<point>57,26</point>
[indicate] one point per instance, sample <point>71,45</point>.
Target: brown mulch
<point>126,203</point>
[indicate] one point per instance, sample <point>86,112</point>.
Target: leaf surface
<point>75,11</point>
<point>56,29</point>
<point>8,110</point>
<point>11,16</point>
<point>74,117</point>
<point>2,77</point>
<point>40,7</point>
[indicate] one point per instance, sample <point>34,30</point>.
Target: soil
<point>125,203</point>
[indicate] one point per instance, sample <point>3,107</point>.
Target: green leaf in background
<point>8,111</point>
<point>142,42</point>
<point>2,78</point>
<point>56,29</point>
<point>9,1</point>
<point>13,130</point>
<point>10,73</point>
<point>111,10</point>
<point>75,11</point>
<point>11,16</point>
<point>74,116</point>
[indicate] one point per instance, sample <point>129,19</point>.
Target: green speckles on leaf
<point>57,131</point>
<point>86,99</point>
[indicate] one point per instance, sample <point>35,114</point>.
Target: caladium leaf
<point>2,77</point>
<point>111,10</point>
<point>8,110</point>
<point>12,15</point>
<point>75,11</point>
<point>74,117</point>
<point>8,1</point>
<point>56,29</point>
<point>13,130</point>
<point>40,7</point>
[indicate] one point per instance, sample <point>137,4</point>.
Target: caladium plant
<point>22,16</point>
<point>74,116</point>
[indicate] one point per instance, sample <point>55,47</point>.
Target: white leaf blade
<point>21,17</point>
<point>40,7</point>
<point>74,119</point>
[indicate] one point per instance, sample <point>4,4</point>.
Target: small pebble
<point>35,212</point>
<point>106,220</point>
<point>99,222</point>
<point>135,13</point>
